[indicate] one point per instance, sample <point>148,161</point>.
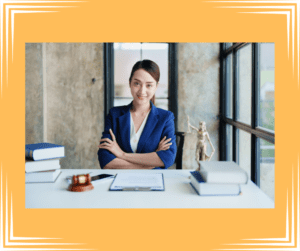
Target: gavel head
<point>81,183</point>
<point>82,179</point>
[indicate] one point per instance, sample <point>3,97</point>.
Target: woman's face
<point>143,86</point>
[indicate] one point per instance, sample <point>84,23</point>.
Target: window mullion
<point>224,151</point>
<point>173,81</point>
<point>108,77</point>
<point>235,135</point>
<point>255,162</point>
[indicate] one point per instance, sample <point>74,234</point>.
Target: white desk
<point>178,194</point>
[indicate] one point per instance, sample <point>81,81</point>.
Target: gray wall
<point>71,110</point>
<point>64,107</point>
<point>34,93</point>
<point>198,95</point>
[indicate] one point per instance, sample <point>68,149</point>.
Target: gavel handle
<point>75,180</point>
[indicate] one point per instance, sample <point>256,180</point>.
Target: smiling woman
<point>139,135</point>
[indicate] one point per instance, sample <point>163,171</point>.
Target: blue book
<point>42,151</point>
<point>209,189</point>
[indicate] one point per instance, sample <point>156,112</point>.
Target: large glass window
<point>267,87</point>
<point>229,80</point>
<point>249,116</point>
<point>229,149</point>
<point>244,151</point>
<point>267,157</point>
<point>244,84</point>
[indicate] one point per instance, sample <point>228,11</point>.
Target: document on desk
<point>138,182</point>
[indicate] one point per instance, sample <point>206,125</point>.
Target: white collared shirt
<point>135,136</point>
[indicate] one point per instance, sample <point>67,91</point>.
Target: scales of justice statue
<point>201,141</point>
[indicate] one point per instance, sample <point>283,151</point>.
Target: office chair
<point>180,143</point>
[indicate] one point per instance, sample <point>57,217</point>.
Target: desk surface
<point>178,194</point>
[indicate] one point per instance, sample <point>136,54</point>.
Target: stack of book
<point>218,178</point>
<point>42,162</point>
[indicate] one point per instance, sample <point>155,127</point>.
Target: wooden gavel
<point>81,183</point>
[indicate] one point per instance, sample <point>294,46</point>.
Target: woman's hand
<point>111,145</point>
<point>163,144</point>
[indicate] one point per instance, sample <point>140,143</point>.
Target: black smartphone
<point>101,177</point>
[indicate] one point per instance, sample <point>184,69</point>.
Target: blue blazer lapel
<point>149,127</point>
<point>124,130</point>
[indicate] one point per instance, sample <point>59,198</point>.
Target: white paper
<point>138,180</point>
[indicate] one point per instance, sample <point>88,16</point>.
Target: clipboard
<point>138,182</point>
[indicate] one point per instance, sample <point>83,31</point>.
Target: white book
<point>41,165</point>
<point>213,189</point>
<point>223,172</point>
<point>41,151</point>
<point>43,176</point>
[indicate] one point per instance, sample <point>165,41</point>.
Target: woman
<point>139,135</point>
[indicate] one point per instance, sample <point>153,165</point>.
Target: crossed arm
<point>132,160</point>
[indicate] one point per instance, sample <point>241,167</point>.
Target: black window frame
<point>254,129</point>
<point>109,79</point>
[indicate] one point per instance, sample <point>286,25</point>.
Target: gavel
<point>81,183</point>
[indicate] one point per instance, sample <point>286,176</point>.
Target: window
<point>244,84</point>
<point>266,87</point>
<point>119,60</point>
<point>248,110</point>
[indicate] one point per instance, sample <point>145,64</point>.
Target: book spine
<point>217,189</point>
<point>195,183</point>
<point>28,154</point>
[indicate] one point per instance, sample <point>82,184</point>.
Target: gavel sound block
<point>81,183</point>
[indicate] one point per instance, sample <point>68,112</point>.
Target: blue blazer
<point>160,123</point>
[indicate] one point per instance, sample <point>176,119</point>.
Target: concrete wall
<point>72,107</point>
<point>34,93</point>
<point>198,95</point>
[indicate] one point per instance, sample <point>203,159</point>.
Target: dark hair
<point>150,67</point>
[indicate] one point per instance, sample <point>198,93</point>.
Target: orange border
<point>136,229</point>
